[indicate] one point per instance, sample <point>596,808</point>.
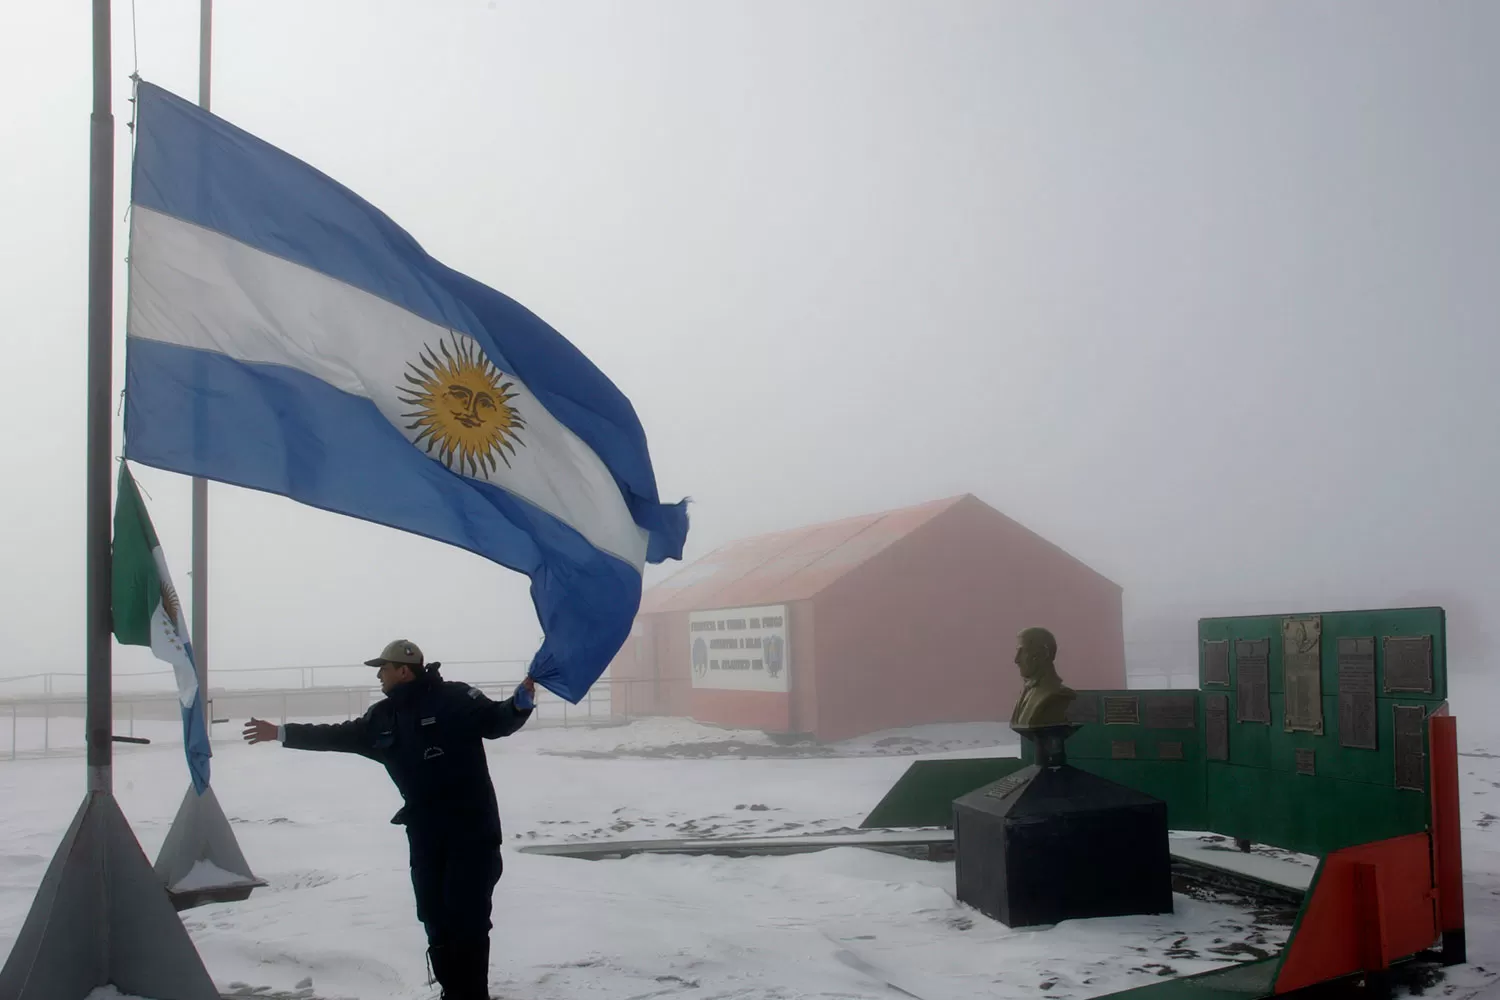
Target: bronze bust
<point>1044,697</point>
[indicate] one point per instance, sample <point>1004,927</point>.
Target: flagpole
<point>99,917</point>
<point>200,486</point>
<point>97,643</point>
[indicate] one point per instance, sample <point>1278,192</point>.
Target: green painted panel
<point>1238,799</point>
<point>1336,624</point>
<point>1097,740</point>
<point>924,794</point>
<point>1236,982</point>
<point>1309,814</point>
<point>1250,742</point>
<point>1178,784</point>
<point>1350,797</point>
<point>1331,759</point>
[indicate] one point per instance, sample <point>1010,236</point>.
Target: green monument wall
<point>1314,762</point>
<point>1308,732</point>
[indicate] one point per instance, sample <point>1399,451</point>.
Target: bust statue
<point>1044,698</point>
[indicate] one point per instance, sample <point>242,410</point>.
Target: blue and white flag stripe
<point>195,288</point>
<point>284,335</point>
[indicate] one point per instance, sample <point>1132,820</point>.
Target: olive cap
<point>398,651</point>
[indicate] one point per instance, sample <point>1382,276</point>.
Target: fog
<point>1203,293</point>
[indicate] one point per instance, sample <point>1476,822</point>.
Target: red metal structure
<point>887,620</point>
<point>1377,903</point>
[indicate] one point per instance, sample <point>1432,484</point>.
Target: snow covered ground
<point>337,918</point>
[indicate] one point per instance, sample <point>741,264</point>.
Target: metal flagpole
<point>200,486</point>
<point>99,723</point>
<point>200,831</point>
<point>100,917</point>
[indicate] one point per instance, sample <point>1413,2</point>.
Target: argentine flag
<point>284,335</point>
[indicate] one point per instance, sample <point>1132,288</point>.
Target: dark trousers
<point>454,877</point>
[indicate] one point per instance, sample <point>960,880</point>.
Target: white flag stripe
<point>168,642</point>
<point>196,288</point>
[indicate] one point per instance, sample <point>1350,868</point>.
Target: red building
<point>877,622</point>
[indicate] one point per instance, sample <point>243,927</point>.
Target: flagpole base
<point>102,918</point>
<point>200,861</point>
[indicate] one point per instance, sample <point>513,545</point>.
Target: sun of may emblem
<point>169,601</point>
<point>461,407</point>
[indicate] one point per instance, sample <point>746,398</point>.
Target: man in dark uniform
<point>429,733</point>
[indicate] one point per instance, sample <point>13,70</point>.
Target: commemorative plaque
<point>1122,710</point>
<point>1302,674</point>
<point>1408,664</point>
<point>1252,671</point>
<point>1169,751</point>
<point>1411,757</point>
<point>1306,761</point>
<point>1171,711</point>
<point>1122,750</point>
<point>1008,784</point>
<point>1358,726</point>
<point>1216,726</point>
<point>1084,709</point>
<point>1216,662</point>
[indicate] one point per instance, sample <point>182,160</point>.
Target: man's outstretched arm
<point>341,737</point>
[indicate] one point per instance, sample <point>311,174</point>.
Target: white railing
<point>251,678</point>
<point>53,724</point>
<point>42,714</point>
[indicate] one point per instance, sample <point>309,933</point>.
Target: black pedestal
<point>1053,843</point>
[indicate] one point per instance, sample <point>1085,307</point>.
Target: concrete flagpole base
<point>102,918</point>
<point>201,835</point>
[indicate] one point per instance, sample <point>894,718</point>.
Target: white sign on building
<point>740,649</point>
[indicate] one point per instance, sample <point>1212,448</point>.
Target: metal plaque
<point>1172,711</point>
<point>1122,750</point>
<point>1084,710</point>
<point>1302,674</point>
<point>1008,784</point>
<point>1169,751</point>
<point>1359,726</point>
<point>1408,663</point>
<point>1411,755</point>
<point>1216,662</point>
<point>1252,669</point>
<point>1216,726</point>
<point>1306,761</point>
<point>1122,710</point>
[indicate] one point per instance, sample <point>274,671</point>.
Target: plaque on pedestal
<point>1051,842</point>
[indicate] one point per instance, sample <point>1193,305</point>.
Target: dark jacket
<point>429,733</point>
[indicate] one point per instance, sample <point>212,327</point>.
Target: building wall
<point>656,668</point>
<point>925,631</point>
<point>921,632</point>
<point>803,639</point>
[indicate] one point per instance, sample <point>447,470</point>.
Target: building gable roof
<point>787,565</point>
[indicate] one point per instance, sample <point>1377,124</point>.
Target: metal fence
<point>44,712</point>
<point>52,724</point>
<point>61,682</point>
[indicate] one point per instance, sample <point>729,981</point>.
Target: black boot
<point>443,961</point>
<point>471,972</point>
<point>482,968</point>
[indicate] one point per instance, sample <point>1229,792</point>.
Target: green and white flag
<point>147,613</point>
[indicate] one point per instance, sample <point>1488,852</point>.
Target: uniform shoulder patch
<point>475,693</point>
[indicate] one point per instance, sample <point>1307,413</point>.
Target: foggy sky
<point>1204,293</point>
